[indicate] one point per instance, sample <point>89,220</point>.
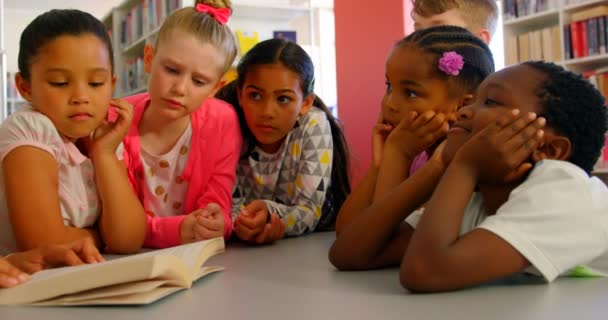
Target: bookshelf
<point>135,23</point>
<point>525,29</point>
<point>13,98</point>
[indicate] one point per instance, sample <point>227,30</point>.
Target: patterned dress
<point>294,180</point>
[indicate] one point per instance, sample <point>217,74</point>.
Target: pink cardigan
<point>210,170</point>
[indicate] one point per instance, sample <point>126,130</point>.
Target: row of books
<point>541,44</point>
<point>599,78</point>
<point>587,34</point>
<point>144,17</point>
<point>520,8</point>
<point>134,77</point>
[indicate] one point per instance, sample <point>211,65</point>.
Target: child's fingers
<point>278,227</point>
<point>431,125</point>
<point>246,233</point>
<point>526,137</point>
<point>518,123</point>
<point>210,223</point>
<point>56,256</point>
<point>423,119</point>
<point>8,281</point>
<point>264,236</point>
<point>525,149</point>
<point>87,251</point>
<point>256,221</point>
<point>203,233</point>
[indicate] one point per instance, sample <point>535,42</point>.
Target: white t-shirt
<point>557,219</point>
<point>78,199</point>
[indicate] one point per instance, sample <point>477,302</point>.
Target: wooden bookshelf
<point>261,16</point>
<point>559,14</point>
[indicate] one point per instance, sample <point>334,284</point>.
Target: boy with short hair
<point>478,16</point>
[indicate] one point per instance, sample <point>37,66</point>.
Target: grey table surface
<point>294,280</point>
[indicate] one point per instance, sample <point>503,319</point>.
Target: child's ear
<point>553,147</point>
<point>148,56</point>
<point>307,103</point>
<point>23,86</point>
<point>484,35</point>
<point>220,84</point>
<point>113,82</point>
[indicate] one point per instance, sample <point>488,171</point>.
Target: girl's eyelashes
<point>388,86</point>
<point>254,95</point>
<point>411,94</point>
<point>58,83</point>
<point>170,69</point>
<point>490,102</point>
<point>284,99</point>
<point>96,84</point>
<point>198,83</point>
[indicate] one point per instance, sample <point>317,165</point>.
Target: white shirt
<point>78,199</point>
<point>557,219</point>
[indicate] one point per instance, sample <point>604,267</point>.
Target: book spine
<point>601,35</point>
<point>567,42</point>
<point>584,38</point>
<point>577,41</point>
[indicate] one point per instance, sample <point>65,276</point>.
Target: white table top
<point>294,280</point>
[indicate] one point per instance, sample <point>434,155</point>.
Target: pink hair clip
<point>222,15</point>
<point>451,63</point>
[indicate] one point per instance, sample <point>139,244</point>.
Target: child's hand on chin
<point>380,132</point>
<point>109,135</point>
<point>416,133</point>
<point>257,226</point>
<point>500,153</point>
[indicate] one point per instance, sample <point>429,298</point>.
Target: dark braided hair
<point>574,108</point>
<point>293,57</point>
<point>478,60</point>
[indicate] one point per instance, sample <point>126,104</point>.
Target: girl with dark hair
<point>293,174</point>
<point>59,146</point>
<point>430,74</point>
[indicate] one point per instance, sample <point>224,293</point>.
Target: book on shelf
<point>134,75</point>
<point>137,279</point>
<point>587,33</point>
<point>286,35</point>
<point>513,9</point>
<point>541,44</point>
<point>145,16</point>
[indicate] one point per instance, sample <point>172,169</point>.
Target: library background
<point>573,33</point>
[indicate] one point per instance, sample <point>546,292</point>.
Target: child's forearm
<point>377,237</point>
<point>439,226</point>
<point>122,223</point>
<point>359,199</point>
<point>393,170</point>
<point>67,234</point>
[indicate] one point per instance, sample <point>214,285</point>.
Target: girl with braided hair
<point>429,76</point>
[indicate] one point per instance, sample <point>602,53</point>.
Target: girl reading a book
<point>429,75</point>
<point>60,179</point>
<point>292,176</point>
<point>183,145</point>
<point>15,268</point>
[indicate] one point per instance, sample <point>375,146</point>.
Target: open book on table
<point>137,279</point>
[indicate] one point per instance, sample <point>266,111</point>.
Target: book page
<point>128,299</point>
<point>113,291</point>
<point>55,282</point>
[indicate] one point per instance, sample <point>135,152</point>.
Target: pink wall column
<point>365,33</point>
